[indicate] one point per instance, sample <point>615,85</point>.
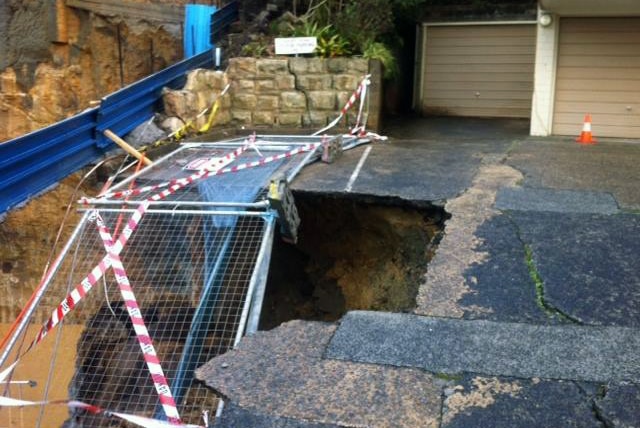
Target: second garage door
<point>598,73</point>
<point>478,70</point>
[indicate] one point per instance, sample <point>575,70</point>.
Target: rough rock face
<point>58,59</point>
<point>27,235</point>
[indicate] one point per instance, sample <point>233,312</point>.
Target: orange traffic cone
<point>585,136</point>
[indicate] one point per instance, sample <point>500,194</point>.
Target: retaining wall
<point>279,92</point>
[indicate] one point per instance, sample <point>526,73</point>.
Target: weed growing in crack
<point>549,309</point>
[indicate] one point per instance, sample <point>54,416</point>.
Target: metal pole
<point>175,212</point>
<point>265,247</point>
<point>45,284</point>
<point>261,273</point>
<point>307,159</point>
<point>97,202</point>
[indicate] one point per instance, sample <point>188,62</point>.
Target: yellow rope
<point>183,131</point>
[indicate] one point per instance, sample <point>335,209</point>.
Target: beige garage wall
<point>599,73</point>
<point>483,69</point>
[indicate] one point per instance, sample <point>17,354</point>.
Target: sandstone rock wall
<point>278,92</point>
<point>56,60</point>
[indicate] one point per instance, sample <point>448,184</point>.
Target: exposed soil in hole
<point>352,254</point>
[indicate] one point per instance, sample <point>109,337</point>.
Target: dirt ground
<point>36,367</point>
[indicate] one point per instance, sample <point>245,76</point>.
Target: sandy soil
<point>36,366</point>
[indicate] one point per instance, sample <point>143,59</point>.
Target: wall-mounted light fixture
<point>545,19</point>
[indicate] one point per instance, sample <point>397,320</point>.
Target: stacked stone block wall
<point>278,92</point>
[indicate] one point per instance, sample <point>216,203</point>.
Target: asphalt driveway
<point>527,316</point>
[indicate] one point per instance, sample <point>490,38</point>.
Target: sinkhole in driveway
<point>353,252</point>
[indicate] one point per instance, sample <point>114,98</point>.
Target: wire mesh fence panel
<point>190,266</point>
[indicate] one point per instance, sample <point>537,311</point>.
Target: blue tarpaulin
<point>197,29</point>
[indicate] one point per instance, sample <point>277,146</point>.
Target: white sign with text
<point>295,45</point>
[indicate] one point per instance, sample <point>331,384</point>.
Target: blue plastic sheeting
<point>243,186</point>
<point>197,29</point>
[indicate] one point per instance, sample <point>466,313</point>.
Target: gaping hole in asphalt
<point>352,253</point>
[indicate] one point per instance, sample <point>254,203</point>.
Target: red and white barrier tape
<point>99,270</point>
<point>209,173</point>
<point>142,333</point>
<point>171,183</point>
<point>140,421</point>
<point>78,293</point>
<point>360,91</point>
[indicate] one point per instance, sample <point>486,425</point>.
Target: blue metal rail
<point>33,162</point>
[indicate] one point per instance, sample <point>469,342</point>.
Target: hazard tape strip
<point>366,81</point>
<point>81,290</point>
<point>76,295</point>
<point>100,269</point>
<point>176,182</point>
<point>142,333</point>
<point>209,173</point>
<point>73,404</point>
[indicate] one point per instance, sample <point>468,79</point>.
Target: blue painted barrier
<point>33,162</point>
<point>127,108</point>
<point>197,29</point>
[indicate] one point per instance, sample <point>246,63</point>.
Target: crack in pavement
<point>444,283</point>
<point>548,308</point>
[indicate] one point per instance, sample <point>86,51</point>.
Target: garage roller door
<point>598,73</point>
<point>478,70</point>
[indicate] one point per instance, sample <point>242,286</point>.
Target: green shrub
<point>379,51</point>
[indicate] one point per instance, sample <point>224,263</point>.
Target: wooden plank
<point>153,12</point>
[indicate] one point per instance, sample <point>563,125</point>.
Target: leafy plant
<point>379,51</point>
<point>333,46</point>
<point>256,49</point>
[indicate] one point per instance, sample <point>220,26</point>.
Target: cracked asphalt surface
<point>527,316</point>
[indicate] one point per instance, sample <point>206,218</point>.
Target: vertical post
<point>257,282</point>
<point>120,55</point>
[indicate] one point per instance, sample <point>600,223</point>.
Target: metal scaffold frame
<point>183,248</point>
